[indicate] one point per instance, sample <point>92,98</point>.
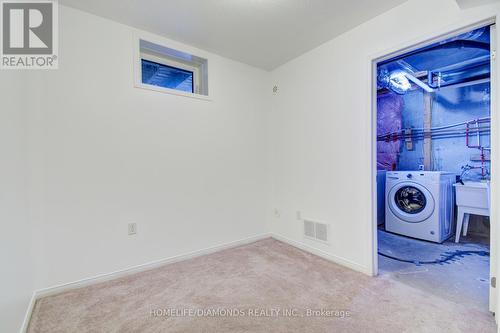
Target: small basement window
<point>165,69</point>
<point>166,76</point>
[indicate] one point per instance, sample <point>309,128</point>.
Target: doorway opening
<point>433,155</point>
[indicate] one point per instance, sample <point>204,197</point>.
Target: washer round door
<point>411,202</point>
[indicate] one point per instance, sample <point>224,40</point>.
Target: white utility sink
<point>471,198</point>
<point>473,194</point>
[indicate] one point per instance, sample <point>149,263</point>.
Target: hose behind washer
<point>445,258</point>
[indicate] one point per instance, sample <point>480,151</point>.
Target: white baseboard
<point>335,259</point>
<point>37,294</point>
<point>144,267</point>
<point>27,315</point>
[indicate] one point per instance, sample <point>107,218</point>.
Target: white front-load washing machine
<point>420,204</point>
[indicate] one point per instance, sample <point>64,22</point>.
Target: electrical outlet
<point>132,228</point>
<point>299,215</point>
<point>277,213</point>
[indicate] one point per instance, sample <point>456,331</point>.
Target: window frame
<point>170,61</point>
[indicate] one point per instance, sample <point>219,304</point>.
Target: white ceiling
<point>262,33</point>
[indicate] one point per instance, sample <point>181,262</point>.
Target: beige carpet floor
<point>266,286</point>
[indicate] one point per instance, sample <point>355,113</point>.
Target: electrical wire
<point>416,134</point>
<point>445,258</point>
<point>479,120</point>
<point>434,129</point>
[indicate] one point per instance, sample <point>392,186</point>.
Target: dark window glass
<point>167,76</point>
<point>410,200</point>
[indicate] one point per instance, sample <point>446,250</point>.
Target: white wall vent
<point>309,229</point>
<point>316,231</point>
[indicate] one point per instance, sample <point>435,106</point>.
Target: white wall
<point>84,153</point>
<point>321,123</point>
<point>16,260</point>
<point>189,172</point>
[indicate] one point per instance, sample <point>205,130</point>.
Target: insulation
<point>389,108</point>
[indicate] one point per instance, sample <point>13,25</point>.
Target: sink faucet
<point>466,168</point>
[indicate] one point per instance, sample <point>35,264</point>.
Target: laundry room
<point>433,166</point>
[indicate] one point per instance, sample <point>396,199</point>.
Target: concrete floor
<point>464,281</point>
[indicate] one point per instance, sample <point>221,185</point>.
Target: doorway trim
<point>437,36</point>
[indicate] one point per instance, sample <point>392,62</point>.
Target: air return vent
<point>316,231</point>
<point>309,229</point>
